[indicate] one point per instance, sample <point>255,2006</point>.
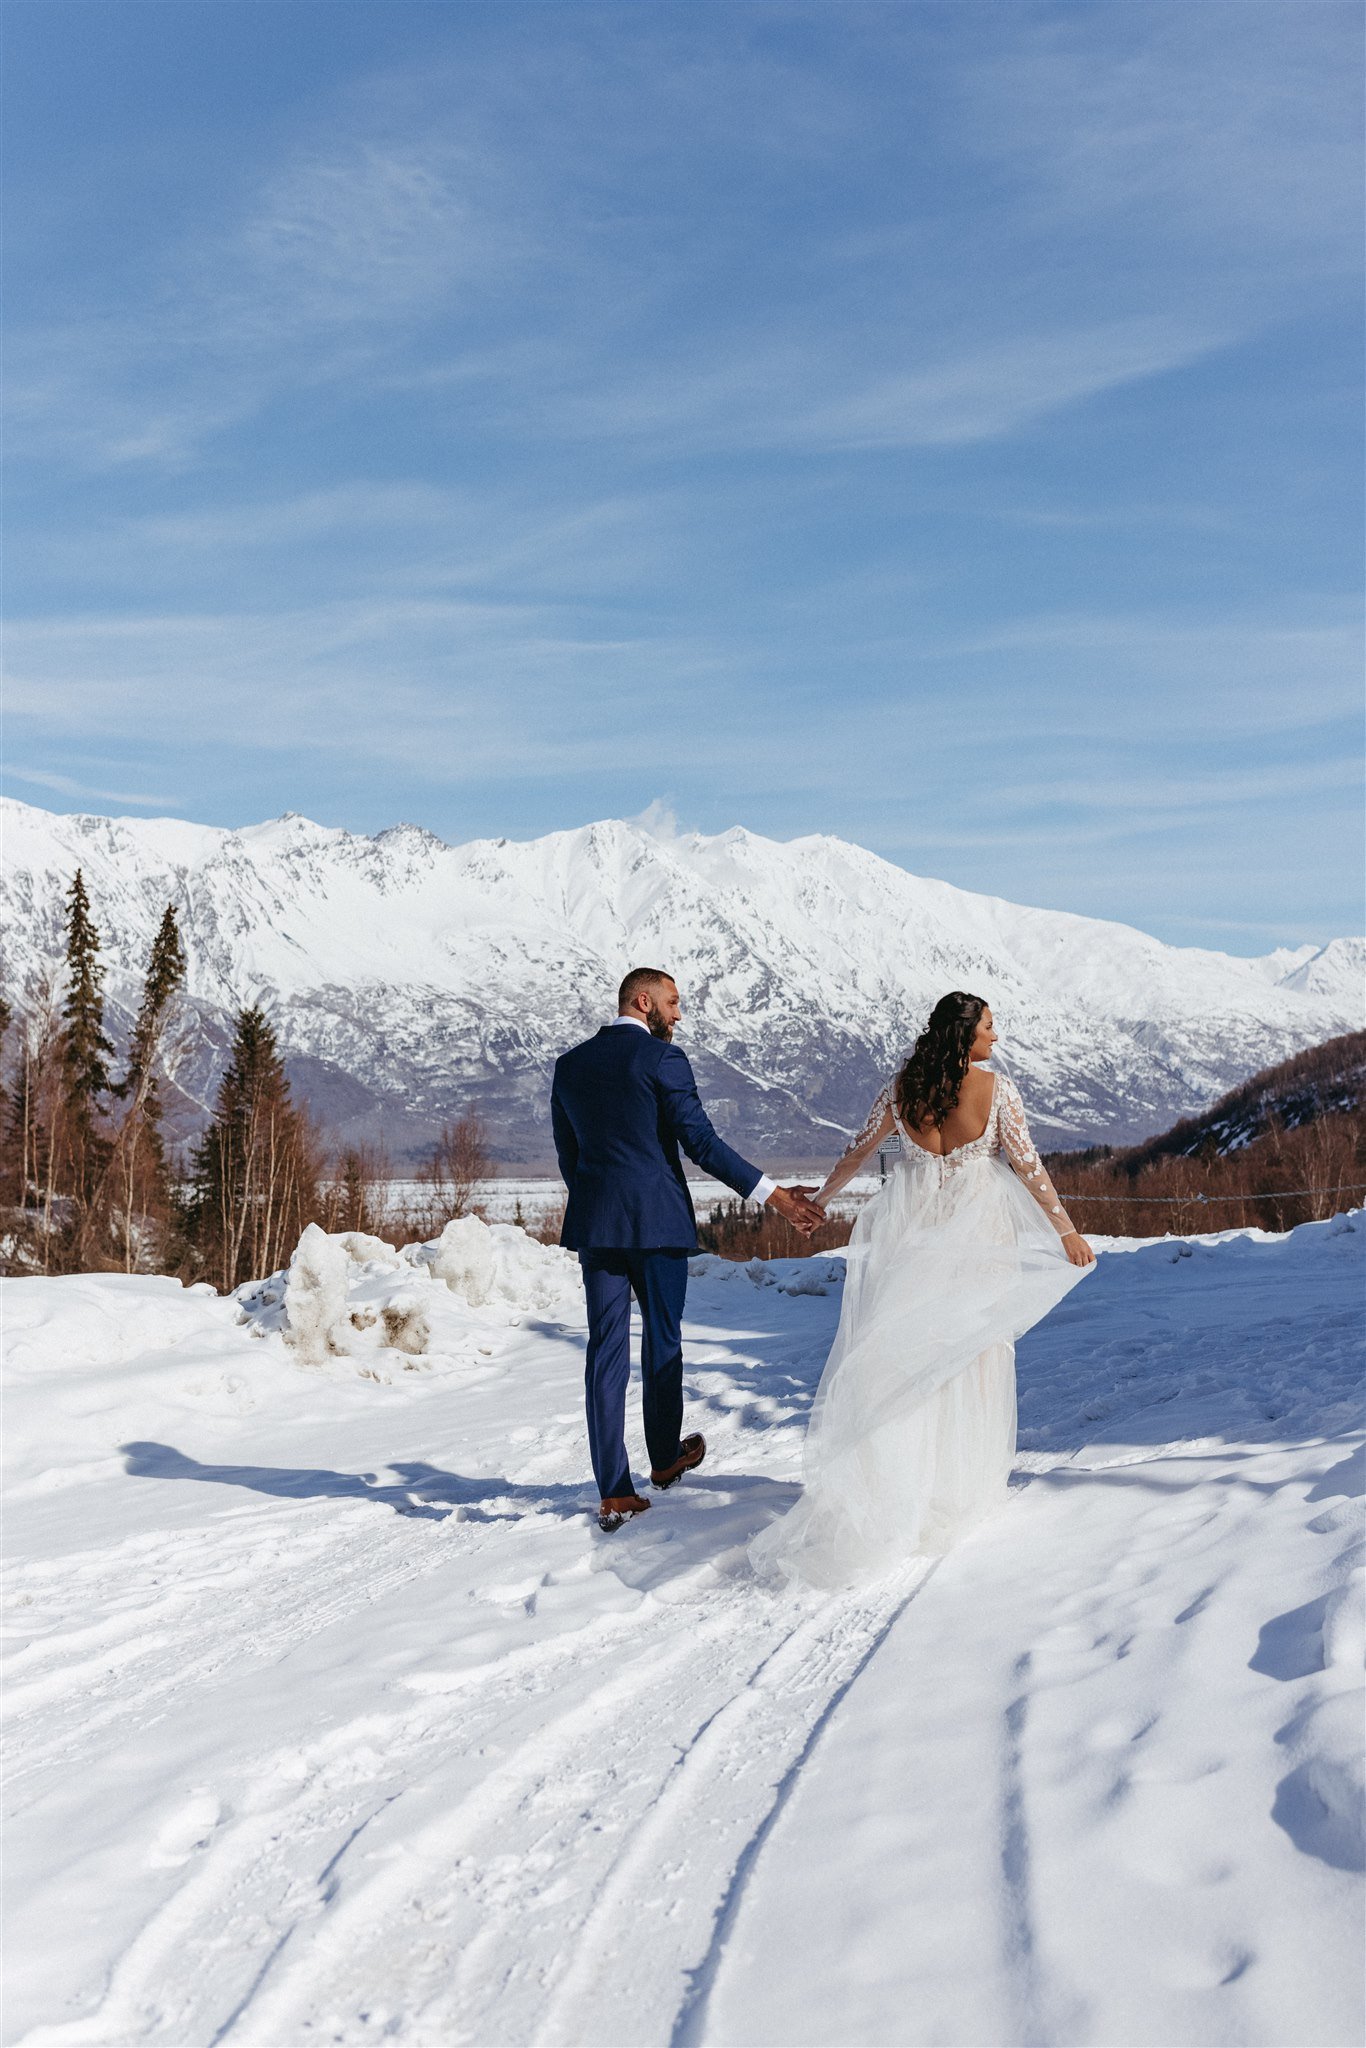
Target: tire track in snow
<point>193,1971</point>
<point>449,1878</point>
<point>279,1934</point>
<point>60,1714</point>
<point>1019,1961</point>
<point>698,1978</point>
<point>531,1866</point>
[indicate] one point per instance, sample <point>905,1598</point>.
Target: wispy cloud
<point>333,262</point>
<point>1166,796</point>
<point>466,235</point>
<point>359,234</point>
<point>451,690</point>
<point>1233,675</point>
<point>1241,144</point>
<point>760,396</point>
<point>980,395</point>
<point>456,686</point>
<point>304,517</point>
<point>64,785</point>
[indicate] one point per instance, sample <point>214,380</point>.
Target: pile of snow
<point>346,1295</point>
<point>98,1319</point>
<point>101,1357</point>
<point>483,1262</point>
<point>816,1274</point>
<point>319,1319</point>
<point>316,1317</point>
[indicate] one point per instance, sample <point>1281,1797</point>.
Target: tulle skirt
<point>912,1433</point>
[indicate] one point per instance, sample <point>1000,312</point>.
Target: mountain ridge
<point>410,978</point>
<point>1327,1080</point>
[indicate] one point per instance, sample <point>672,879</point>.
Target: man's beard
<point>658,1023</point>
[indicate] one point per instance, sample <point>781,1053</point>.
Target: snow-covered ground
<point>333,1718</point>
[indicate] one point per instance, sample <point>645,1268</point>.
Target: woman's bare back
<point>968,1118</point>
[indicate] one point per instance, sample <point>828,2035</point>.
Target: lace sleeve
<point>1020,1150</point>
<point>877,1126</point>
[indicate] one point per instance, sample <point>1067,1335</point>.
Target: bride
<point>912,1434</point>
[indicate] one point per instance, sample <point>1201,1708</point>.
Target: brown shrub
<point>1256,1185</point>
<point>738,1230</point>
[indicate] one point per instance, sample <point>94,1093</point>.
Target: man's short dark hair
<point>637,981</point>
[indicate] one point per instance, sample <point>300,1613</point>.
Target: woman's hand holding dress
<point>1021,1151</point>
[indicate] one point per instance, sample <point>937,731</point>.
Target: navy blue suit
<point>623,1107</point>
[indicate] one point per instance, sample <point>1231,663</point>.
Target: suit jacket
<point>623,1106</point>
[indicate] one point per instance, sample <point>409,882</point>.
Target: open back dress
<point>912,1433</point>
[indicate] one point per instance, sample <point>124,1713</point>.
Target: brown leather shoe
<point>612,1513</point>
<point>691,1452</point>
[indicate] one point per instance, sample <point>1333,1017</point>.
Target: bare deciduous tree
<point>350,1197</point>
<point>36,1138</point>
<point>450,1177</point>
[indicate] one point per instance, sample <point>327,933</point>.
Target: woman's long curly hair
<point>927,1086</point>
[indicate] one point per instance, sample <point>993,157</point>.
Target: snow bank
<point>1321,1803</point>
<point>346,1296</point>
<point>366,1250</point>
<point>100,1319</point>
<point>98,1357</point>
<point>819,1273</point>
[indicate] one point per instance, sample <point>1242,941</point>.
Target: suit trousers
<point>659,1281</point>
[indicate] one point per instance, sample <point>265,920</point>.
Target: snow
<point>317,1315</point>
<point>332,1716</point>
<point>483,1263</point>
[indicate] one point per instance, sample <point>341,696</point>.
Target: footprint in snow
<point>186,1831</point>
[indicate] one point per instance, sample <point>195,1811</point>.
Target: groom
<point>623,1105</point>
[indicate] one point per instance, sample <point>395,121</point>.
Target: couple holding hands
<point>912,1432</point>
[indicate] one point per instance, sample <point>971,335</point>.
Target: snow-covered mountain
<point>410,979</point>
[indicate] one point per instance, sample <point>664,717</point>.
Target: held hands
<point>1078,1250</point>
<point>796,1205</point>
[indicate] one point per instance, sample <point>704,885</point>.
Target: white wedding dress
<point>912,1434</point>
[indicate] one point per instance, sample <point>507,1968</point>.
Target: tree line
<point>1287,1175</point>
<point>1284,1147</point>
<point>88,1181</point>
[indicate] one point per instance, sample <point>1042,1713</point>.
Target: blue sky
<point>935,424</point>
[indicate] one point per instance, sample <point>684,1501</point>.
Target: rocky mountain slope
<point>410,979</point>
<point>1329,1080</point>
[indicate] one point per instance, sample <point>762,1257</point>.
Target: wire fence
<point>1261,1195</point>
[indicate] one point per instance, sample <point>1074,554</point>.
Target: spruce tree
<point>16,1170</point>
<point>165,977</point>
<point>140,1155</point>
<point>85,1050</point>
<point>352,1193</point>
<point>255,1178</point>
